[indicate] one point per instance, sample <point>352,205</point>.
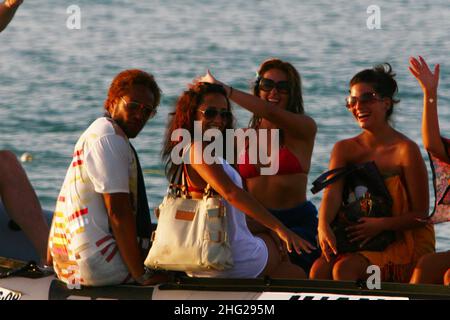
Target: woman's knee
<point>321,269</point>
<point>273,255</point>
<point>431,268</point>
<point>302,273</point>
<point>9,166</point>
<point>350,267</point>
<point>426,261</point>
<point>7,158</point>
<point>447,277</point>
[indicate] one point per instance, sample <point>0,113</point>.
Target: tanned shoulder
<point>408,149</point>
<point>344,150</point>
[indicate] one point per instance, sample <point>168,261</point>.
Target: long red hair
<point>184,116</point>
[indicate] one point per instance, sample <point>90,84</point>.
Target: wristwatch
<point>148,273</point>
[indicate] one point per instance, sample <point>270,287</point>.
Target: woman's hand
<point>280,245</point>
<point>420,70</point>
<point>208,78</point>
<point>365,230</point>
<point>327,242</point>
<point>292,240</point>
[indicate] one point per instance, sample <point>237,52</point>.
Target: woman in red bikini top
<point>277,103</point>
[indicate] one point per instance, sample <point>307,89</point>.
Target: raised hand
<point>208,78</point>
<point>428,80</point>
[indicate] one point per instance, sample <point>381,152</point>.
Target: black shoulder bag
<point>364,195</point>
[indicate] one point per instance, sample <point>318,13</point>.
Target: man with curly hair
<point>93,239</point>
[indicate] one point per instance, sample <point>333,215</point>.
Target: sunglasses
<point>150,111</point>
<point>365,98</point>
<point>268,85</point>
<point>212,112</point>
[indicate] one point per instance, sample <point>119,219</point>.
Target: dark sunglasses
<point>368,97</point>
<point>212,112</point>
<point>268,85</point>
<point>150,111</point>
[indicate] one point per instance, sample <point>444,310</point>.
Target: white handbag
<point>191,234</point>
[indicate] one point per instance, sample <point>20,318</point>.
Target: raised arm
<point>7,11</point>
<point>430,123</point>
<point>299,126</point>
<point>215,175</point>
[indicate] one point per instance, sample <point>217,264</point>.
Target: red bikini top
<point>189,183</point>
<point>288,164</point>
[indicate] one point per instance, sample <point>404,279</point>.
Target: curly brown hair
<point>184,116</point>
<point>125,80</point>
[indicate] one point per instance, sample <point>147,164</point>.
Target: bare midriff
<point>279,191</point>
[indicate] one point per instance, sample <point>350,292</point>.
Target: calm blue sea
<point>53,80</point>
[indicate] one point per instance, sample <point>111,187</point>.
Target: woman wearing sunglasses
<point>371,103</point>
<point>277,103</point>
<point>253,256</point>
<point>433,268</point>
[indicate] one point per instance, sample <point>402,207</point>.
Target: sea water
<point>54,76</point>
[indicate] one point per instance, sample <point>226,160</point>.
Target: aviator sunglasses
<point>368,97</point>
<point>212,112</point>
<point>268,85</point>
<point>134,106</point>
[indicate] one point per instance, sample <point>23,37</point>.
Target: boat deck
<point>182,287</point>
